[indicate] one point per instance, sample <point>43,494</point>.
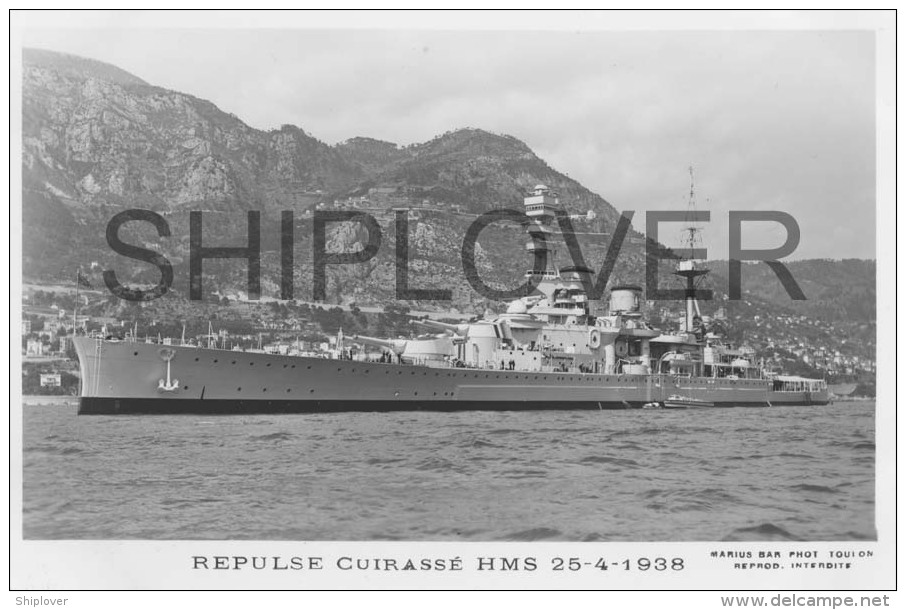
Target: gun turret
<point>397,346</point>
<point>451,329</point>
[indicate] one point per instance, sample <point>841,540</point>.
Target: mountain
<point>98,140</point>
<point>96,135</point>
<point>79,67</point>
<point>835,290</point>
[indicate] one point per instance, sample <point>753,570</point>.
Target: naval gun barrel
<point>397,346</point>
<point>451,329</point>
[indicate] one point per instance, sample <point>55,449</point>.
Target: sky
<point>769,120</point>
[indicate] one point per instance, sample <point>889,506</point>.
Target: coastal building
<point>33,347</point>
<point>50,380</point>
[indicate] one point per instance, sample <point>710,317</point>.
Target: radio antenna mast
<point>692,238</point>
<point>686,268</point>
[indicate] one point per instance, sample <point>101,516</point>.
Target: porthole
<point>251,363</point>
<point>264,390</point>
<point>215,360</point>
<point>311,391</point>
<point>196,360</point>
<point>288,390</point>
<point>268,364</point>
<point>238,389</point>
<point>185,387</point>
<point>136,354</point>
<point>234,362</point>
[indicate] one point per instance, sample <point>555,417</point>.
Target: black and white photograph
<point>355,300</point>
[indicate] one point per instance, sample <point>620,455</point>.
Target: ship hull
<point>154,406</point>
<point>145,378</point>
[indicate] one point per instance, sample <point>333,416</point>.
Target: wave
<point>53,450</point>
<point>754,456</point>
<point>504,431</point>
<point>177,503</point>
<point>629,445</point>
<point>524,473</point>
<point>536,533</point>
<point>457,532</point>
<point>693,500</point>
<point>851,535</point>
<point>480,443</point>
<point>605,459</point>
<point>273,436</point>
<point>435,463</point>
<point>377,461</point>
<point>866,445</point>
<point>765,531</point>
<point>646,431</point>
<point>813,488</point>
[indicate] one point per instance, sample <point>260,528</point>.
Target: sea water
<point>782,473</point>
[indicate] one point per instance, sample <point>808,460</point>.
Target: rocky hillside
<point>98,140</point>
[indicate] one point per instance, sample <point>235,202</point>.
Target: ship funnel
<point>581,277</point>
<point>625,300</point>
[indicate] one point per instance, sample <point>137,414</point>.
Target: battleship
<point>552,349</point>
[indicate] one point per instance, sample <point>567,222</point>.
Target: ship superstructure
<point>547,351</point>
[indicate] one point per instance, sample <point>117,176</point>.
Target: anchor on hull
<point>167,385</point>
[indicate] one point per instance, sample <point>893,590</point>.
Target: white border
<point>139,565</point>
